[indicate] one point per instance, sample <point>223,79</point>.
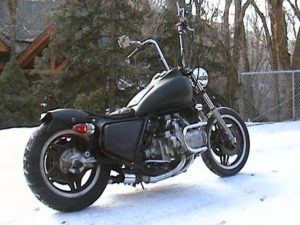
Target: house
<point>3,54</point>
<point>32,31</point>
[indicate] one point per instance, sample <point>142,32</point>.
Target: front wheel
<point>61,172</point>
<point>221,157</point>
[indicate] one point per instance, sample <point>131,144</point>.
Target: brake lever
<point>127,59</point>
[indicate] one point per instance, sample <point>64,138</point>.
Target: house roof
<point>31,20</point>
<point>28,55</point>
<point>3,47</point>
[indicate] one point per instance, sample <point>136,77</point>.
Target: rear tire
<point>53,185</point>
<point>220,158</point>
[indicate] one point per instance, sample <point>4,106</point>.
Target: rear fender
<point>65,118</point>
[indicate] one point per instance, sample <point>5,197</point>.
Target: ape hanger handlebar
<point>124,42</point>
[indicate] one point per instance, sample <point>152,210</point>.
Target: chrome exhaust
<point>175,171</point>
<point>131,179</point>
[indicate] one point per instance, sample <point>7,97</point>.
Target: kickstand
<point>142,186</point>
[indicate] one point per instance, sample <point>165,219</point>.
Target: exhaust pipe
<point>175,171</point>
<point>131,179</point>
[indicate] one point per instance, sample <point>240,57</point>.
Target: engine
<point>172,136</point>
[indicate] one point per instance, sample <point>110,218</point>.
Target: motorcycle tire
<point>220,158</point>
<point>48,175</point>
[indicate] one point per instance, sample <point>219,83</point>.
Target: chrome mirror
<point>201,76</point>
<point>124,41</point>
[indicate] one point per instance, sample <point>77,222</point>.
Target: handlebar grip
<point>127,61</point>
<point>183,24</point>
<point>190,29</point>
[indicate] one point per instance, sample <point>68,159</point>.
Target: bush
<point>93,102</point>
<point>16,100</point>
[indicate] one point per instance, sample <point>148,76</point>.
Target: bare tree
<point>270,43</point>
<point>225,25</point>
<point>279,33</point>
<point>240,42</point>
<point>296,55</point>
<point>240,61</point>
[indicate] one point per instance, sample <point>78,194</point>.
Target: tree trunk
<point>279,33</point>
<point>237,34</point>
<point>225,25</point>
<point>296,54</point>
<point>239,46</point>
<point>280,41</point>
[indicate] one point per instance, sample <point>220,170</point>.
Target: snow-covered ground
<point>267,191</point>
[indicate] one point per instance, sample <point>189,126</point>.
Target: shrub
<point>16,100</point>
<point>93,102</point>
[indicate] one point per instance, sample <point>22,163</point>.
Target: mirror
<point>201,76</point>
<point>124,41</point>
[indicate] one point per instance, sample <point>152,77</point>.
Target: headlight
<point>200,75</point>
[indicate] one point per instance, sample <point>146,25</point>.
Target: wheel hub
<point>224,147</point>
<point>75,162</point>
<point>228,148</point>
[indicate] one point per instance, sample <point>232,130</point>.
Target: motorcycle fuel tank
<point>167,90</point>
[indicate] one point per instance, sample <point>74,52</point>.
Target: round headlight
<point>201,76</point>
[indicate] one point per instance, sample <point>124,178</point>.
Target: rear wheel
<point>221,157</point>
<point>61,172</point>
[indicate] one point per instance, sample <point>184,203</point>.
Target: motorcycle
<point>73,154</point>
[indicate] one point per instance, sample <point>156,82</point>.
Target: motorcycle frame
<point>182,27</point>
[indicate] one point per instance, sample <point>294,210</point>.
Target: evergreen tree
<point>86,35</point>
<point>16,100</point>
<point>93,102</point>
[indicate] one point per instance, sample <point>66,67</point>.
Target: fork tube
<point>215,114</point>
<point>209,103</point>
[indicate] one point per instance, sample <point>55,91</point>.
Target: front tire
<point>48,160</point>
<point>221,158</point>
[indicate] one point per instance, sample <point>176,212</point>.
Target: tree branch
<point>295,8</point>
<point>243,10</point>
<point>267,32</point>
<point>225,24</point>
<point>263,20</point>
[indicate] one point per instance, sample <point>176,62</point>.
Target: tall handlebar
<point>182,26</point>
<point>146,42</point>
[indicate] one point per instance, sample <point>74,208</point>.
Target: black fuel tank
<point>166,90</point>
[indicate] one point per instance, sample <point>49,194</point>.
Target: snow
<point>266,191</point>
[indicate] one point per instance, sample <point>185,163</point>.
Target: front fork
<point>216,115</point>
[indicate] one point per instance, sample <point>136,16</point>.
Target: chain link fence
<point>270,96</point>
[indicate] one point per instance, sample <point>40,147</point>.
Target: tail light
<point>84,128</point>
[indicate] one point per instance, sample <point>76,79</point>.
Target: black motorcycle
<point>73,155</point>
